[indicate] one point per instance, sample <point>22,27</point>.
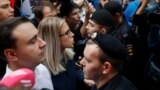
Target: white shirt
<point>43,79</point>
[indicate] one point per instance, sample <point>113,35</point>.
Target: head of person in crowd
<point>100,21</point>
<point>71,12</point>
<point>58,36</point>
<point>125,3</point>
<point>20,45</point>
<point>115,8</point>
<point>44,9</point>
<point>103,2</point>
<point>58,3</point>
<point>103,58</point>
<point>6,11</point>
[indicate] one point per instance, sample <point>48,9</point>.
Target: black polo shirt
<point>117,83</point>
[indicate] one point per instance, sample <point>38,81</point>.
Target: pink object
<point>18,76</point>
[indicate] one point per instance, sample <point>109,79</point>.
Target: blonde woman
<point>56,33</point>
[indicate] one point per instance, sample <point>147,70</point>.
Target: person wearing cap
<point>22,48</point>
<point>102,62</point>
<point>121,30</point>
<point>100,21</point>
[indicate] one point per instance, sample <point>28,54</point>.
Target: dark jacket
<point>69,79</point>
<point>117,83</point>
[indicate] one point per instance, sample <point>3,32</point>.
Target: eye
<point>87,60</point>
<point>68,32</point>
<point>33,41</point>
<point>4,6</point>
<point>91,24</point>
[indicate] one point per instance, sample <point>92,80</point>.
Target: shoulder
<point>43,78</point>
<point>41,69</point>
<point>126,84</point>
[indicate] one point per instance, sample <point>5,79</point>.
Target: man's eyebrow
<point>86,58</point>
<point>4,5</point>
<point>34,37</point>
<point>91,23</point>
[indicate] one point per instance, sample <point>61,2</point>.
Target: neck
<point>73,26</point>
<point>14,67</point>
<point>62,49</point>
<point>104,80</point>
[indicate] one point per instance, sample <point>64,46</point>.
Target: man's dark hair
<point>6,29</point>
<point>38,10</point>
<point>67,8</point>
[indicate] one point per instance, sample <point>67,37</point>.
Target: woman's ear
<point>107,67</point>
<point>10,54</point>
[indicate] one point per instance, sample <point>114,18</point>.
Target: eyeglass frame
<point>68,32</point>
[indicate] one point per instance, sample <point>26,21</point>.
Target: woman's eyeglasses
<point>68,32</point>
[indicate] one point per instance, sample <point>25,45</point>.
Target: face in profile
<point>6,11</point>
<point>66,36</point>
<point>29,49</point>
<point>48,11</point>
<point>92,68</point>
<point>74,16</point>
<point>92,27</point>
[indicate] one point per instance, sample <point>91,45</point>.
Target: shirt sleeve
<point>43,78</point>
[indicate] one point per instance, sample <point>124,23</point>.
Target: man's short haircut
<point>67,8</point>
<point>38,10</point>
<point>6,29</point>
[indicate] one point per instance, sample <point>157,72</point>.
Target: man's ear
<point>10,54</point>
<point>107,67</point>
<point>103,30</point>
<point>117,14</point>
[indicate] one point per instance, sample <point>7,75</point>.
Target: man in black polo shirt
<point>102,62</point>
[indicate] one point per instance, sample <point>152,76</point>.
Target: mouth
<point>73,41</point>
<point>11,16</point>
<point>42,54</point>
<point>89,34</point>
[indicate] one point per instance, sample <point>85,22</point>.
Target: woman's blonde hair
<point>49,30</point>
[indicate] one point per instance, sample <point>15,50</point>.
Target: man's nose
<point>82,62</point>
<point>11,9</point>
<point>42,43</point>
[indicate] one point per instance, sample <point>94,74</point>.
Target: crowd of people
<point>80,44</point>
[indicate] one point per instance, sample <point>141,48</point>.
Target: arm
<point>88,9</point>
<point>142,7</point>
